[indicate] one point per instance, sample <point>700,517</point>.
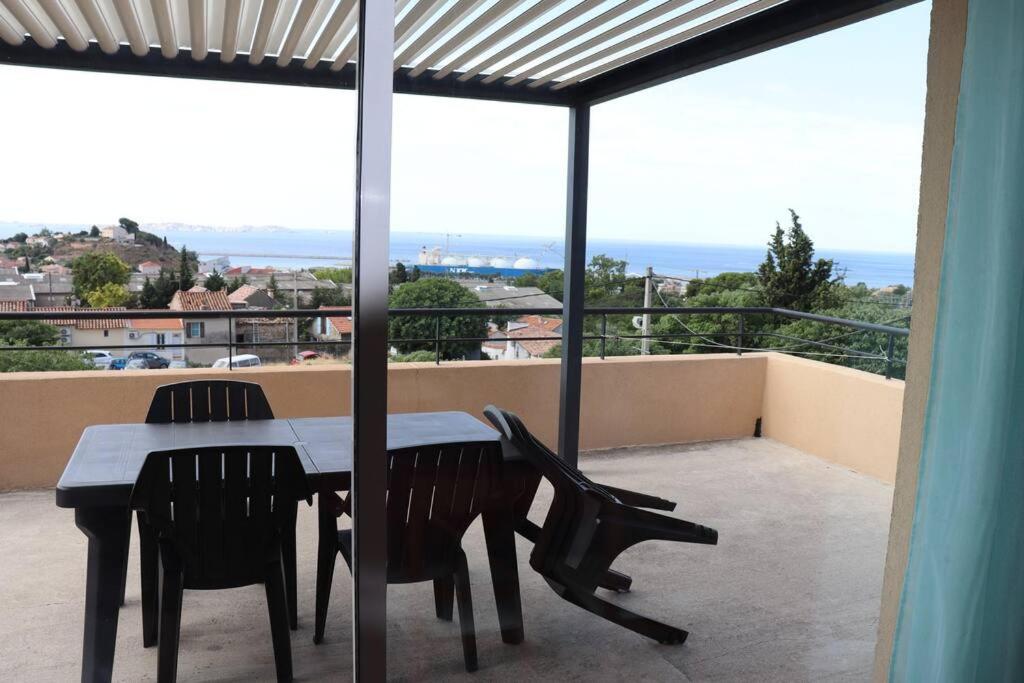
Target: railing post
<point>231,343</point>
<point>739,337</point>
<point>889,356</point>
<point>437,340</point>
<point>604,332</point>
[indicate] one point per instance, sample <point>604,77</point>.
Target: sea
<point>313,248</point>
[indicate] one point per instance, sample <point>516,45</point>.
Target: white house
<point>150,267</point>
<point>117,233</point>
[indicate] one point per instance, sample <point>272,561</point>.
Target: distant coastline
<point>283,247</point>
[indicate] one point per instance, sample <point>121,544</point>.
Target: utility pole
<point>295,303</point>
<point>645,343</point>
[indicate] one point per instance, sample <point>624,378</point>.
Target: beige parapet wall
<point>625,402</point>
<point>848,417</point>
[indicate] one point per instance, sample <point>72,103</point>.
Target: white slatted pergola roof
<point>545,51</point>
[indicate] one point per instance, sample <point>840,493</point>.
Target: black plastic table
<point>99,477</point>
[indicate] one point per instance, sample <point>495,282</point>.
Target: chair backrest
<point>209,401</point>
<point>577,500</point>
<point>221,509</point>
<point>434,494</point>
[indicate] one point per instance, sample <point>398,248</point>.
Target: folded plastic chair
<point>587,526</point>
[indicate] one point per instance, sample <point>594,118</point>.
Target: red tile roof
<point>13,306</point>
<point>155,323</point>
<point>240,295</point>
<point>342,324</point>
<point>549,324</point>
<point>535,348</point>
<point>200,301</point>
<point>104,324</point>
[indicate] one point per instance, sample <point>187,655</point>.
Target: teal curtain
<point>962,608</point>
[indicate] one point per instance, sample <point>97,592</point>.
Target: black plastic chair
<point>434,494</point>
<point>219,515</point>
<point>203,401</point>
<point>587,526</point>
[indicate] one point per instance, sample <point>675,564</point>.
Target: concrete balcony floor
<point>791,593</point>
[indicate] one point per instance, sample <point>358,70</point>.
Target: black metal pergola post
<point>369,340</point>
<point>573,287</point>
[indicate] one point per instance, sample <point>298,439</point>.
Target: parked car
<point>152,360</point>
<point>117,363</point>
<point>136,364</point>
<point>100,358</point>
<point>245,360</point>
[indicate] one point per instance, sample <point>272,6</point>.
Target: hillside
<point>131,253</point>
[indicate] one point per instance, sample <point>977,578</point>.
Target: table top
<point>107,460</point>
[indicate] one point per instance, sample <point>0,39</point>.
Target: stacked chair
<point>587,526</point>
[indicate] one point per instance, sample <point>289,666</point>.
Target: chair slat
<point>236,401</point>
<point>200,402</point>
<point>211,514</point>
<point>182,404</point>
<point>218,401</point>
<point>186,501</point>
<point>399,492</point>
<point>236,494</point>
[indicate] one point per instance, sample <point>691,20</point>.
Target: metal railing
<point>736,341</point>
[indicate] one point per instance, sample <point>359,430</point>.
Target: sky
<point>830,126</point>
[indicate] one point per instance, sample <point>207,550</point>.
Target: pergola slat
<point>99,26</point>
<point>448,20</point>
<point>197,29</point>
<point>60,18</point>
<point>229,35</point>
<point>128,15</point>
<point>647,34</point>
<point>282,20</point>
<point>601,38</point>
<point>700,29</point>
<point>9,34</point>
<point>532,37</point>
<point>420,14</point>
<point>496,37</point>
<point>586,27</point>
<point>341,14</point>
<point>474,28</point>
<point>165,28</point>
<point>32,24</point>
<point>298,27</point>
<point>268,12</point>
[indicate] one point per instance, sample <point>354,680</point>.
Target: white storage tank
<point>525,263</point>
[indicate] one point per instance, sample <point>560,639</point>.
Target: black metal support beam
<point>267,73</point>
<point>369,340</point>
<point>780,25</point>
<point>572,296</point>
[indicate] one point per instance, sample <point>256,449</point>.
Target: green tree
<point>157,293</point>
<point>27,333</point>
<point>272,288</point>
<point>335,275</point>
<point>415,274</point>
<point>109,295</point>
<point>436,293</point>
<point>322,296</point>
<point>129,225</point>
<point>710,333</point>
<point>399,275</point>
<point>790,277</point>
<point>215,282</point>
<point>19,237</point>
<point>94,231</point>
<point>91,271</point>
<point>236,282</point>
<point>38,361</point>
<point>185,279</point>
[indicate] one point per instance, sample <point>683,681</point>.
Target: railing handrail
<point>237,313</point>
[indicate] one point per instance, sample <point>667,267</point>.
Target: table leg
<point>108,541</point>
<point>124,566</point>
<point>499,531</point>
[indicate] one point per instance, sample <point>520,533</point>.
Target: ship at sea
<point>442,261</point>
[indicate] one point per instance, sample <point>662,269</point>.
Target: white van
<point>246,360</point>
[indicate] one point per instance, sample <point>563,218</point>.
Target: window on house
<point>196,329</point>
<point>106,333</point>
<point>161,339</point>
